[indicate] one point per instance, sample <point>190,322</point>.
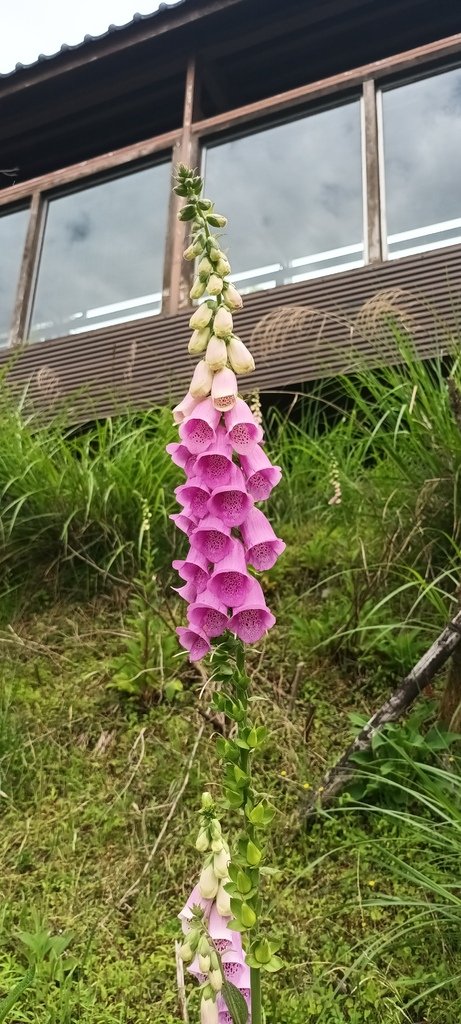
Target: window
<point>422,160</point>
<point>13,227</point>
<point>102,256</point>
<point>293,195</point>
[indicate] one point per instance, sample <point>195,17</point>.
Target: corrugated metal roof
<point>89,39</point>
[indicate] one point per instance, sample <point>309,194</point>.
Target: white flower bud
<point>216,353</point>
<point>214,960</point>
<point>240,358</point>
<point>215,254</point>
<point>186,952</point>
<point>201,843</point>
<point>216,980</point>
<point>232,298</point>
<point>199,341</point>
<point>223,323</point>
<point>204,964</point>
<point>217,845</point>
<point>205,268</point>
<point>215,285</point>
<point>193,250</point>
<point>198,289</point>
<point>220,862</point>
<point>223,266</point>
<point>223,900</point>
<point>208,883</point>
<point>200,317</point>
<point>209,1012</point>
<point>202,379</point>
<point>207,803</point>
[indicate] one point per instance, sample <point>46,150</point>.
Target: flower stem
<point>256,1005</point>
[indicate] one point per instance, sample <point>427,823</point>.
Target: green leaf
<point>275,964</point>
<point>235,1003</point>
<point>7,1004</point>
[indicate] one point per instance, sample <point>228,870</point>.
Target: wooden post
<point>27,273</point>
<point>178,276</point>
<point>373,237</point>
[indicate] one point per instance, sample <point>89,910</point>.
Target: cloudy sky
<point>30,27</point>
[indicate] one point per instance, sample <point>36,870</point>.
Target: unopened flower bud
<point>204,946</point>
<point>193,938</point>
<point>224,389</point>
<point>215,253</point>
<point>217,845</point>
<point>216,980</point>
<point>208,883</point>
<point>204,964</point>
<point>205,268</point>
<point>223,900</point>
<point>253,854</point>
<point>217,220</point>
<point>201,843</point>
<point>185,952</point>
<point>220,862</point>
<point>247,915</point>
<point>215,285</point>
<point>232,298</point>
<point>199,341</point>
<point>215,828</point>
<point>214,960</point>
<point>202,379</point>
<point>198,289</point>
<point>263,952</point>
<point>194,250</point>
<point>216,353</point>
<point>200,317</point>
<point>223,323</point>
<point>240,357</point>
<point>208,1011</point>
<point>184,408</point>
<point>223,266</point>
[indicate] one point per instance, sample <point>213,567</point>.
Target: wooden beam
<point>330,86</point>
<point>178,275</point>
<point>86,168</point>
<point>373,241</point>
<point>27,271</point>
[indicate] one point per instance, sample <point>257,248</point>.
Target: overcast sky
<point>30,27</point>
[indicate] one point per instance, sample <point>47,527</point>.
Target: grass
<point>98,715</point>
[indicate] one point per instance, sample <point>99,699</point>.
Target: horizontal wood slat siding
<point>300,332</point>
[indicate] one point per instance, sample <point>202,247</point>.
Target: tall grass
<point>71,504</point>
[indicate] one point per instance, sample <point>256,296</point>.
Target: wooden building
<point>329,131</point>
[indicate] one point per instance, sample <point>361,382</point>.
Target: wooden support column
<point>373,236</point>
<point>177,274</point>
<point>27,273</point>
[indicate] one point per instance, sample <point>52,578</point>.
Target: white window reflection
<point>293,195</point>
<point>102,256</point>
<point>13,227</point>
<point>422,160</point>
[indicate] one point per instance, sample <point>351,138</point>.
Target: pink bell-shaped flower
<point>208,614</point>
<point>197,431</point>
<point>181,457</point>
<point>261,544</point>
<point>231,503</point>
<point>195,643</point>
<point>252,618</point>
<point>212,537</point>
<point>230,580</point>
<point>188,592</point>
<point>214,467</point>
<point>184,408</point>
<point>183,522</point>
<point>224,389</point>
<point>261,475</point>
<point>223,939</point>
<point>193,569</point>
<point>243,431</point>
<point>193,496</point>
